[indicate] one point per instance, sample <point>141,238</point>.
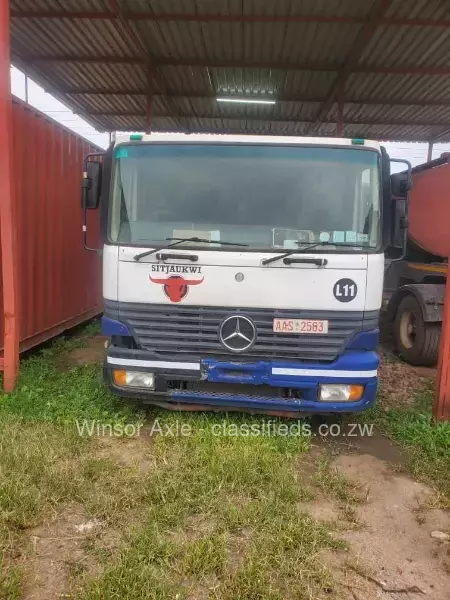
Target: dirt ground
<point>68,544</point>
<point>391,553</point>
<point>393,548</point>
<point>56,550</point>
<point>94,352</point>
<point>399,382</point>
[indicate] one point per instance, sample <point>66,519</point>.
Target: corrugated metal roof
<point>381,64</point>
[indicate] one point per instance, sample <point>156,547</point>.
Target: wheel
<point>417,342</point>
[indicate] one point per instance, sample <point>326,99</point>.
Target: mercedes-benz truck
<point>244,275</point>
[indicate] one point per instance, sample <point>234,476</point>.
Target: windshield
<point>269,197</point>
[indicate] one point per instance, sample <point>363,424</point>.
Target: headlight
<point>340,393</point>
<point>135,379</point>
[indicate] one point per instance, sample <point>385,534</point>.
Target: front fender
<point>430,297</point>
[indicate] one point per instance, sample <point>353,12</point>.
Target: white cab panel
<point>213,280</point>
<point>375,275</point>
<point>110,272</point>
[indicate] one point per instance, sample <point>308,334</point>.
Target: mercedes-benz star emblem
<point>237,333</point>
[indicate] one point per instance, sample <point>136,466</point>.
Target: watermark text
<point>225,428</point>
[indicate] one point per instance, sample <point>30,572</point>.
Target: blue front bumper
<point>295,384</point>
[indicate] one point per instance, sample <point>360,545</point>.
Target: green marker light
<point>358,141</point>
<point>136,136</point>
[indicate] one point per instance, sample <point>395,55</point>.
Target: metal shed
<point>370,68</point>
<point>353,68</point>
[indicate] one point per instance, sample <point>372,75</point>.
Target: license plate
<point>299,326</point>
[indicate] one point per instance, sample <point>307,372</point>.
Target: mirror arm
<point>91,155</point>
<point>98,251</point>
<point>405,241</point>
<point>408,169</point>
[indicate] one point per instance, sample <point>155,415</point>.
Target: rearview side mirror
<point>401,183</point>
<point>91,185</point>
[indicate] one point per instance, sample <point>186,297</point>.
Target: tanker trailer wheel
<point>417,342</point>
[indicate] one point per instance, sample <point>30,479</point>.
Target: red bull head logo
<point>176,287</point>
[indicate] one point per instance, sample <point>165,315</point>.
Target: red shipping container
<point>59,283</point>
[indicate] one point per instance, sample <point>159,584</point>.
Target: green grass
<point>245,492</point>
<point>334,484</point>
<point>45,392</point>
<point>205,555</point>
<point>347,494</point>
<point>426,443</point>
<point>9,583</point>
<point>211,516</point>
<point>43,460</point>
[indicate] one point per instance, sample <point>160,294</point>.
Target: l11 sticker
<point>345,290</point>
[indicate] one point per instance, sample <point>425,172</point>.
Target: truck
<point>414,288</point>
<point>245,275</point>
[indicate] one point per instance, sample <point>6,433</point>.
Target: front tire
<point>416,341</point>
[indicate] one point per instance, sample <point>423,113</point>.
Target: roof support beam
<point>361,41</point>
<point>244,64</point>
<point>444,133</point>
<point>394,122</point>
<point>61,14</point>
<point>86,60</point>
<point>224,18</point>
<point>369,100</point>
<point>189,62</point>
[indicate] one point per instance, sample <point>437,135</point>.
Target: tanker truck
<point>414,286</point>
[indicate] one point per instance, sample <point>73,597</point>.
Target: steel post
<point>8,219</point>
<point>441,406</point>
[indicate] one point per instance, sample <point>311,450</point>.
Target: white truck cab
<point>243,275</point>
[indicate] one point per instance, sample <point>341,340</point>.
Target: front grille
<point>193,331</point>
<point>219,390</point>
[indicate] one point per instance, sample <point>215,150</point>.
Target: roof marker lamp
<point>235,100</point>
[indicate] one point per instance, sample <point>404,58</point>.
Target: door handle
<point>166,255</point>
<point>319,262</point>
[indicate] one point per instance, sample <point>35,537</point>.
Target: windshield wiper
<point>177,241</point>
<point>307,248</point>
